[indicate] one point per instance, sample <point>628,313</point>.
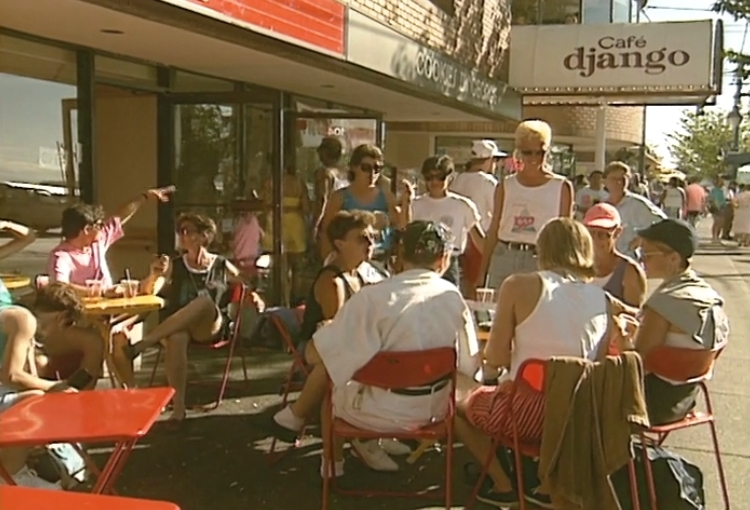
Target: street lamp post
<point>734,118</point>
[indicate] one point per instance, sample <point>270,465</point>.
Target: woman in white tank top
<point>555,311</point>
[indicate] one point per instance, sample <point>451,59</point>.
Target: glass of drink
<point>486,295</point>
<point>130,288</point>
<point>94,289</point>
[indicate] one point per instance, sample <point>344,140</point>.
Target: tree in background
<point>701,140</point>
<point>740,11</point>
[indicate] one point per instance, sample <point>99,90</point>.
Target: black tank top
<point>186,285</point>
<point>313,310</point>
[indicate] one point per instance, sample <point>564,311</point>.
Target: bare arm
<point>330,294</point>
<point>22,237</point>
<point>323,189</point>
<point>497,352</point>
<point>333,206</point>
<point>566,199</point>
<point>490,240</point>
<point>126,211</point>
<point>634,285</point>
<point>19,326</point>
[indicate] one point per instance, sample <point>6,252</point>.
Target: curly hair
<point>346,221</point>
<point>59,297</point>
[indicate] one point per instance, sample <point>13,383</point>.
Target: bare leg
<point>199,311</point>
<point>480,445</point>
<point>176,363</point>
<point>13,459</point>
<point>314,389</point>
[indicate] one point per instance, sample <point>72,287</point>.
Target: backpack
<point>61,462</point>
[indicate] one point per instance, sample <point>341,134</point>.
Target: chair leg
<point>649,473</point>
<point>156,365</point>
<point>634,495</point>
<point>449,470</point>
<point>719,465</point>
<point>244,366</point>
<point>482,475</point>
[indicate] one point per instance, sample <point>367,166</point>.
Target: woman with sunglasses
<point>524,203</point>
<point>365,194</point>
<point>457,214</point>
<point>619,275</point>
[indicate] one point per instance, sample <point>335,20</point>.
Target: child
<point>247,235</point>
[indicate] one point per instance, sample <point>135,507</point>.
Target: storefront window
<point>39,150</point>
<point>597,11</point>
<point>125,73</point>
<point>621,11</point>
<point>559,12</point>
<point>191,82</point>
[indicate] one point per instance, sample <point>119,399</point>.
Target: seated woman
<point>53,306</point>
<point>555,311</point>
<point>684,311</point>
<point>351,236</point>
<point>621,276</point>
<point>196,287</point>
<point>411,311</point>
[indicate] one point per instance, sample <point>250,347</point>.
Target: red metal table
<point>23,498</point>
<point>119,416</point>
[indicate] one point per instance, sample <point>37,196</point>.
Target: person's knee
<point>311,354</point>
<point>204,302</point>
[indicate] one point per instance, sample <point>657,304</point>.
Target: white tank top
<point>570,319</point>
<point>673,198</point>
<point>526,210</point>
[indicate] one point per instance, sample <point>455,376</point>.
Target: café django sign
<point>631,53</point>
<point>436,71</point>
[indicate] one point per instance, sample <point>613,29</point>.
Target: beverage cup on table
<point>486,295</point>
<point>130,288</point>
<point>94,289</point>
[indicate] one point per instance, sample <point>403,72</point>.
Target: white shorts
<point>8,397</point>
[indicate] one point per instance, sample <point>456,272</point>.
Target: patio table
<point>15,281</point>
<point>119,416</point>
<point>100,311</point>
<point>24,498</point>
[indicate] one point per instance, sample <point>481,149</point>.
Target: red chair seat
<point>345,429</point>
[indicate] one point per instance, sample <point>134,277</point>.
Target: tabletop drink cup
<point>486,295</point>
<point>94,288</point>
<point>130,288</point>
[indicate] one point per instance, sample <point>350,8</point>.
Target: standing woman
<point>742,216</point>
<point>524,203</point>
<point>674,200</point>
<point>364,194</point>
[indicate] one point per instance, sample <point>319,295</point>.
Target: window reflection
<point>597,11</point>
<point>621,11</point>
<point>39,150</point>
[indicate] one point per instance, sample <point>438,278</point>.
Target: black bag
<point>678,483</point>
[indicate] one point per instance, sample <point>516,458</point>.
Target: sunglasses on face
<point>601,234</point>
<point>529,153</point>
<point>97,225</point>
<point>371,168</point>
<point>434,176</point>
<point>186,231</point>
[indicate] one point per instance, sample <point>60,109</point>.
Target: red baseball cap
<point>602,215</point>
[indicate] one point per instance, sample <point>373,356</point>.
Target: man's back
<point>479,187</point>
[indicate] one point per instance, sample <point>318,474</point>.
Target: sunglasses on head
<point>526,152</point>
<point>372,168</point>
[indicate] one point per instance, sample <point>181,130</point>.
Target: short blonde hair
<point>566,244</point>
<point>618,166</point>
<point>534,130</point>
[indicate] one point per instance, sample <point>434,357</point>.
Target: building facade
<point>100,99</point>
<point>574,126</point>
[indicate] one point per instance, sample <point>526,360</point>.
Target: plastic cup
<point>486,295</point>
<point>94,288</point>
<point>130,288</point>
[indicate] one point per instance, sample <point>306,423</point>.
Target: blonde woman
<point>554,311</point>
<point>524,202</point>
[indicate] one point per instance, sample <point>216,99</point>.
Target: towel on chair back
<point>589,412</point>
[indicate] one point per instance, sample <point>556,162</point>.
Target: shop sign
<point>316,24</point>
<point>377,47</point>
<point>657,58</point>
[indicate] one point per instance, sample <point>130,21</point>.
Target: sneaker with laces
<point>26,477</point>
<point>373,456</point>
<point>338,468</point>
<point>394,447</point>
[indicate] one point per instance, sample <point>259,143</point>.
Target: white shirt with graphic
<point>527,209</point>
<point>457,213</point>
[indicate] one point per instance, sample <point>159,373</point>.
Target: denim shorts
<point>8,397</point>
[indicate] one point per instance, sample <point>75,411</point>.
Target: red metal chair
<point>239,297</point>
<point>689,366</point>
<point>531,376</point>
<point>291,383</point>
<point>399,370</point>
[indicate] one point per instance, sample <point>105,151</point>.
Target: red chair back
<point>679,364</point>
<point>532,373</point>
<point>407,369</point>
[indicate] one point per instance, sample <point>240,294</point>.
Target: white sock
<point>288,420</point>
<point>338,468</point>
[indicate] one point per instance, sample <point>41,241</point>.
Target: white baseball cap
<point>485,149</point>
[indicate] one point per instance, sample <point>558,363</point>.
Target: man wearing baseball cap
<point>619,275</point>
<point>477,184</point>
<point>683,312</point>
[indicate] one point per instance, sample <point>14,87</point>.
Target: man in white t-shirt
<point>458,214</point>
<point>590,195</point>
<point>478,184</point>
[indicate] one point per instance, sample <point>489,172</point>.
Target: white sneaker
<point>394,447</point>
<point>373,456</point>
<point>338,468</point>
<point>26,477</point>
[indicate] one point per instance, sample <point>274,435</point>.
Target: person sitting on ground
<point>87,235</point>
<point>555,311</point>
<point>413,310</point>
<point>621,276</point>
<point>684,311</point>
<point>197,290</point>
<point>351,236</point>
<point>22,237</point>
<point>55,305</point>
